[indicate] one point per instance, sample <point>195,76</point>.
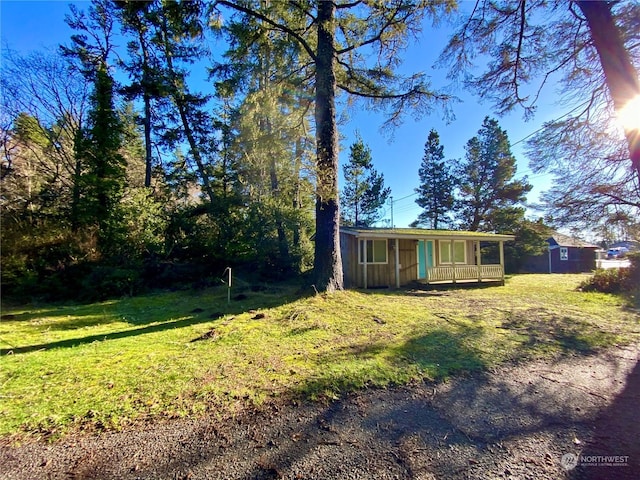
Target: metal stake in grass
<point>228,282</point>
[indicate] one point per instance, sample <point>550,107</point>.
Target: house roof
<point>630,244</point>
<point>560,240</point>
<point>423,233</point>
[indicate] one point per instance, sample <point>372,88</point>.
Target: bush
<point>613,280</point>
<point>616,280</point>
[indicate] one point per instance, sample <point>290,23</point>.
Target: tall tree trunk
<point>179,99</point>
<point>296,194</point>
<point>620,75</point>
<point>327,262</point>
<point>147,108</point>
<point>148,165</point>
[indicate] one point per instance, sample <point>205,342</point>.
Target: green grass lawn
<point>109,364</point>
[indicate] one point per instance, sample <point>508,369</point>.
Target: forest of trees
<point>121,172</point>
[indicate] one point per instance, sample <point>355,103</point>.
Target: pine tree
<point>364,192</point>
<point>142,67</point>
<point>101,168</point>
<point>487,188</point>
<point>591,49</point>
<point>105,176</point>
<point>437,185</point>
<point>336,38</point>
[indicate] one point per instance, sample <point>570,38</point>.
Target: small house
<point>393,257</point>
<point>565,255</point>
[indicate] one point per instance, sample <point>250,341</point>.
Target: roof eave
<point>445,235</point>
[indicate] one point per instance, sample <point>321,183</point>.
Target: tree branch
<point>276,25</point>
<point>516,67</point>
<point>392,20</point>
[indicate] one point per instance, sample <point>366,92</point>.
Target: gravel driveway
<point>516,422</point>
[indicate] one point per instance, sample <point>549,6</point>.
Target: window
<point>459,251</point>
<point>564,253</point>
<point>376,251</point>
<point>445,252</point>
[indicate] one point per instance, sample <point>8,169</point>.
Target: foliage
<point>102,184</point>
<point>617,280</point>
<point>110,364</point>
<point>437,186</point>
<point>530,240</point>
<point>45,104</point>
<point>612,280</point>
<point>487,190</point>
<point>143,222</point>
<point>334,41</point>
<point>364,193</point>
<point>592,49</point>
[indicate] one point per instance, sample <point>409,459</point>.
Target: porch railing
<point>464,272</point>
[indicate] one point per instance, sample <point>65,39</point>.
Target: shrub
<point>613,280</point>
<point>616,280</point>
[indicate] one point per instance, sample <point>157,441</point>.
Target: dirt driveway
<point>530,421</point>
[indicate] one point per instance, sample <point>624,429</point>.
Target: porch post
<point>453,258</point>
<point>479,261</point>
<point>397,245</point>
<point>364,264</point>
<point>502,259</point>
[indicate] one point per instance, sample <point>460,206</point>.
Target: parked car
<point>618,252</point>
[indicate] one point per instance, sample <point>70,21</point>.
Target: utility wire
<point>408,208</point>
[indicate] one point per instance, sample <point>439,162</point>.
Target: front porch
<point>464,264</point>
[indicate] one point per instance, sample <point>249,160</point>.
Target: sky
<point>36,25</point>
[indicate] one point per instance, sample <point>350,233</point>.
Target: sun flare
<point>629,116</point>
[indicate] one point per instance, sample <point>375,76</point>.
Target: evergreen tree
<point>437,185</point>
<point>101,169</point>
<point>336,39</point>
<point>143,68</point>
<point>105,176</point>
<point>487,189</point>
<point>364,192</point>
<point>592,50</point>
<point>269,137</point>
<point>179,38</point>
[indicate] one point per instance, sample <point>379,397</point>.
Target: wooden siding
<point>384,275</point>
<point>378,275</point>
<point>408,262</point>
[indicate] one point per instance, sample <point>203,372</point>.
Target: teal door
<point>425,257</point>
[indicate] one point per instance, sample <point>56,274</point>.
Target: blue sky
<point>31,25</point>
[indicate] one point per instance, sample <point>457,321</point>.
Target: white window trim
<point>373,240</point>
<point>564,253</point>
<point>451,244</point>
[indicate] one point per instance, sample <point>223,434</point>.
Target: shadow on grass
<point>436,355</point>
<point>511,425</point>
<point>73,342</point>
<point>140,312</point>
<point>435,288</point>
<point>542,328</point>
